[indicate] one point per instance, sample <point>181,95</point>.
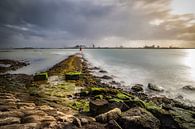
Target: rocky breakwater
<point>9,65</point>
<point>86,103</point>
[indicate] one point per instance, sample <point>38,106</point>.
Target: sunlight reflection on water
<point>190,61</point>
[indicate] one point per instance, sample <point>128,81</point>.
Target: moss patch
<point>99,96</point>
<point>73,73</point>
<point>80,105</point>
<point>122,96</point>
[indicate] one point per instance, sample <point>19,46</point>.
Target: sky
<point>63,23</point>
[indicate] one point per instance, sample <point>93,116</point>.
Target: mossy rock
<point>66,87</point>
<point>99,96</point>
<point>152,107</point>
<point>40,76</point>
<point>116,100</point>
<point>73,75</point>
<point>185,118</point>
<point>136,102</point>
<point>122,96</point>
<point>108,97</point>
<point>80,105</point>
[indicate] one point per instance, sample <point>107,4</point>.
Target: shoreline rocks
<point>95,106</point>
<point>189,88</point>
<point>155,87</point>
<point>9,65</point>
<point>138,118</point>
<point>137,88</point>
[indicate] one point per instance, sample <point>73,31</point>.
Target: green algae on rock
<point>73,75</point>
<point>41,76</point>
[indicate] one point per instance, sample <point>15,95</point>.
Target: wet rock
<point>9,120</point>
<point>154,87</point>
<point>184,118</point>
<point>106,77</point>
<point>141,95</point>
<point>77,122</point>
<point>95,68</point>
<point>137,88</point>
<point>189,87</point>
<point>103,71</point>
<point>166,119</point>
<point>110,115</point>
<point>115,83</point>
<point>98,106</point>
<point>138,118</point>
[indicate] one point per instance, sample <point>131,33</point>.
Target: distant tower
<point>93,46</point>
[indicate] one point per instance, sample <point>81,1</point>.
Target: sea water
<point>170,69</point>
<point>39,59</point>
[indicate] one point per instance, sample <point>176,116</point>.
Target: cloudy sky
<point>61,23</point>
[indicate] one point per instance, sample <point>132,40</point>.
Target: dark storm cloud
<point>55,23</point>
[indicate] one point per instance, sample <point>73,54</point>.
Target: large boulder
<point>184,118</point>
<point>155,87</point>
<point>110,115</point>
<point>138,118</point>
<point>166,119</point>
<point>98,106</point>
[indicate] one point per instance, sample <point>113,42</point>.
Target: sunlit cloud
<point>65,22</point>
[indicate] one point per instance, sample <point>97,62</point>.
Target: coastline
<point>87,103</point>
